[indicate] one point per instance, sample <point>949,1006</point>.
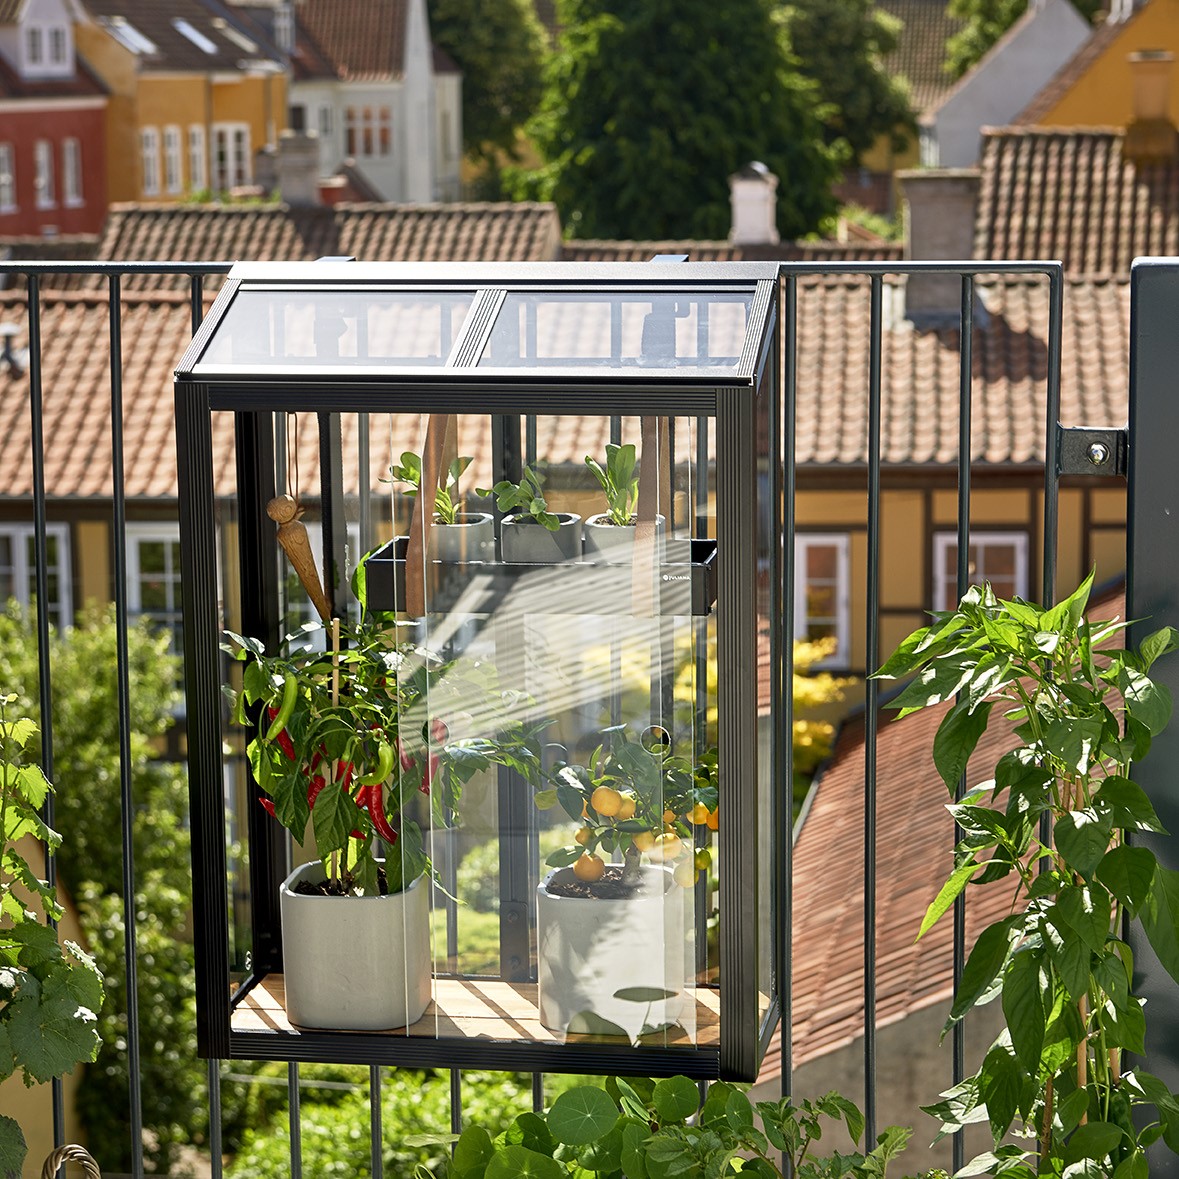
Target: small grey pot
<point>524,542</point>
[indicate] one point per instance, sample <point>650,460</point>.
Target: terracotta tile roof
<point>308,60</point>
<point>80,84</point>
<point>1073,70</point>
<point>914,842</point>
<point>1072,195</point>
<point>919,421</point>
<point>517,232</point>
<point>10,10</point>
<point>921,52</point>
<point>156,20</point>
<point>697,251</point>
<point>364,39</point>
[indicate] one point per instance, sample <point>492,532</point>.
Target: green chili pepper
<point>384,766</point>
<point>290,692</point>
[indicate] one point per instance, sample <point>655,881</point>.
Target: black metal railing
<point>1153,377</point>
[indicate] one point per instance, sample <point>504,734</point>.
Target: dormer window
<point>284,28</point>
<point>35,46</point>
<point>48,51</point>
<point>58,49</point>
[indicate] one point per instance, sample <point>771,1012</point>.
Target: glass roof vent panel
<point>308,326</point>
<point>702,329</point>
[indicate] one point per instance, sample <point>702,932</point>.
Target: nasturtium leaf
<point>1023,1007</point>
<point>1128,873</point>
<point>530,1130</point>
<point>676,1099</point>
<point>518,1162</point>
<point>739,1112</point>
<point>634,1164</point>
<point>605,1153</point>
<point>580,1115</point>
<point>1159,913</point>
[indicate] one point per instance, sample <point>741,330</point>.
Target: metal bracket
<point>1092,450</point>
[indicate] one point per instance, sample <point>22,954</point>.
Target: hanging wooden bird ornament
<point>286,511</point>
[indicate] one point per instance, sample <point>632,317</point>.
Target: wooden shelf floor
<point>474,1008</point>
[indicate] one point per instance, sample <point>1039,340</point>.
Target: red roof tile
<point>914,844</point>
<point>1072,195</point>
<point>364,39</point>
<point>80,84</point>
<point>698,251</point>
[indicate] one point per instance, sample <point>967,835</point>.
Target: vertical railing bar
<point>363,486</point>
<point>375,1128</point>
<point>456,1101</point>
<point>871,656</point>
<point>294,1123</point>
<point>215,1145</point>
<point>786,689</point>
<point>196,300</point>
<point>41,575</point>
<point>965,430</point>
<point>1051,438</point>
<point>124,693</point>
<point>537,1092</point>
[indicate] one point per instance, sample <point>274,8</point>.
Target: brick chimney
<point>297,168</point>
<point>753,194</point>
<point>940,206</point>
<point>1151,137</point>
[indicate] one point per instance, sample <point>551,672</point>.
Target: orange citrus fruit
<point>589,868</point>
<point>685,874</point>
<point>644,840</point>
<point>606,801</point>
<point>713,820</point>
<point>699,814</point>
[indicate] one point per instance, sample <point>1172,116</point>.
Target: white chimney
<point>297,167</point>
<point>940,205</point>
<point>753,194</point>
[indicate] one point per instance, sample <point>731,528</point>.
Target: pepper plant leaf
<point>1128,805</point>
<point>1082,837</point>
<point>1128,873</point>
<point>984,965</point>
<point>956,738</point>
<point>1087,911</point>
<point>958,880</point>
<point>1023,1007</point>
<point>1160,917</point>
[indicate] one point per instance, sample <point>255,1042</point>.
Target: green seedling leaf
<point>580,1115</point>
<point>1128,873</point>
<point>675,1099</point>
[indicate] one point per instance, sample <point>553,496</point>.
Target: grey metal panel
<point>1152,595</point>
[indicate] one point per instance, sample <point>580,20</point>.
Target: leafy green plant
<point>49,992</point>
<point>643,1129</point>
<point>619,482</point>
<point>447,500</point>
<point>633,796</point>
<point>346,738</point>
<point>1083,711</point>
<point>525,499</point>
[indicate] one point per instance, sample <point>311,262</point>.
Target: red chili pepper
<point>430,774</point>
<point>313,788</point>
<point>283,737</point>
<point>407,762</point>
<point>376,808</point>
<point>349,769</point>
<point>439,730</point>
<point>268,807</point>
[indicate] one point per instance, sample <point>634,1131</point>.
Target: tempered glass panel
<point>332,327</point>
<point>703,329</point>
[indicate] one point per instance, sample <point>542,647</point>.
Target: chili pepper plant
<point>1054,827</point>
<point>635,797</point>
<point>359,740</point>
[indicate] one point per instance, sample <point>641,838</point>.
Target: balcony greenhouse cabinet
<point>657,802</point>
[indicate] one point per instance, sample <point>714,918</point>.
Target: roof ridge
<point>1032,131</point>
<point>92,297</point>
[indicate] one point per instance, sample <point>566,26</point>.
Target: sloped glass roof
<point>335,318</point>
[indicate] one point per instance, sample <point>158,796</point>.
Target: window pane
<point>822,561</point>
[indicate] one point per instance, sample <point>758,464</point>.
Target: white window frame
<point>284,26</point>
<point>325,120</point>
<point>363,128</point>
<point>173,163</point>
<point>138,534</point>
<point>43,159</point>
<point>235,171</point>
<point>61,613</point>
<point>945,587</point>
<point>7,179</point>
<point>149,160</point>
<point>841,543</point>
<point>198,174</point>
<point>59,45</point>
<point>71,172</point>
<point>35,45</point>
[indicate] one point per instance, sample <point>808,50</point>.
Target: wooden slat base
<point>476,1009</point>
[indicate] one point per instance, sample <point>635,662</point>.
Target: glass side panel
<point>334,327</point>
<point>703,329</point>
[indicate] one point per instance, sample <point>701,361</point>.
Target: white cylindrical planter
<point>605,965</point>
<point>613,544</point>
<point>355,963</point>
<point>524,542</point>
<point>470,538</point>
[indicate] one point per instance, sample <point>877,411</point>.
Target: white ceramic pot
<point>355,963</point>
<point>524,542</point>
<point>470,538</point>
<point>613,544</point>
<point>606,965</point>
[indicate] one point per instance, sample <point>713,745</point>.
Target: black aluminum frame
<point>254,399</point>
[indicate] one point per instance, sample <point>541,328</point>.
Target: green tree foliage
<point>650,107</point>
<point>88,813</point>
<point>501,49</point>
<point>841,45</point>
<point>987,21</point>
